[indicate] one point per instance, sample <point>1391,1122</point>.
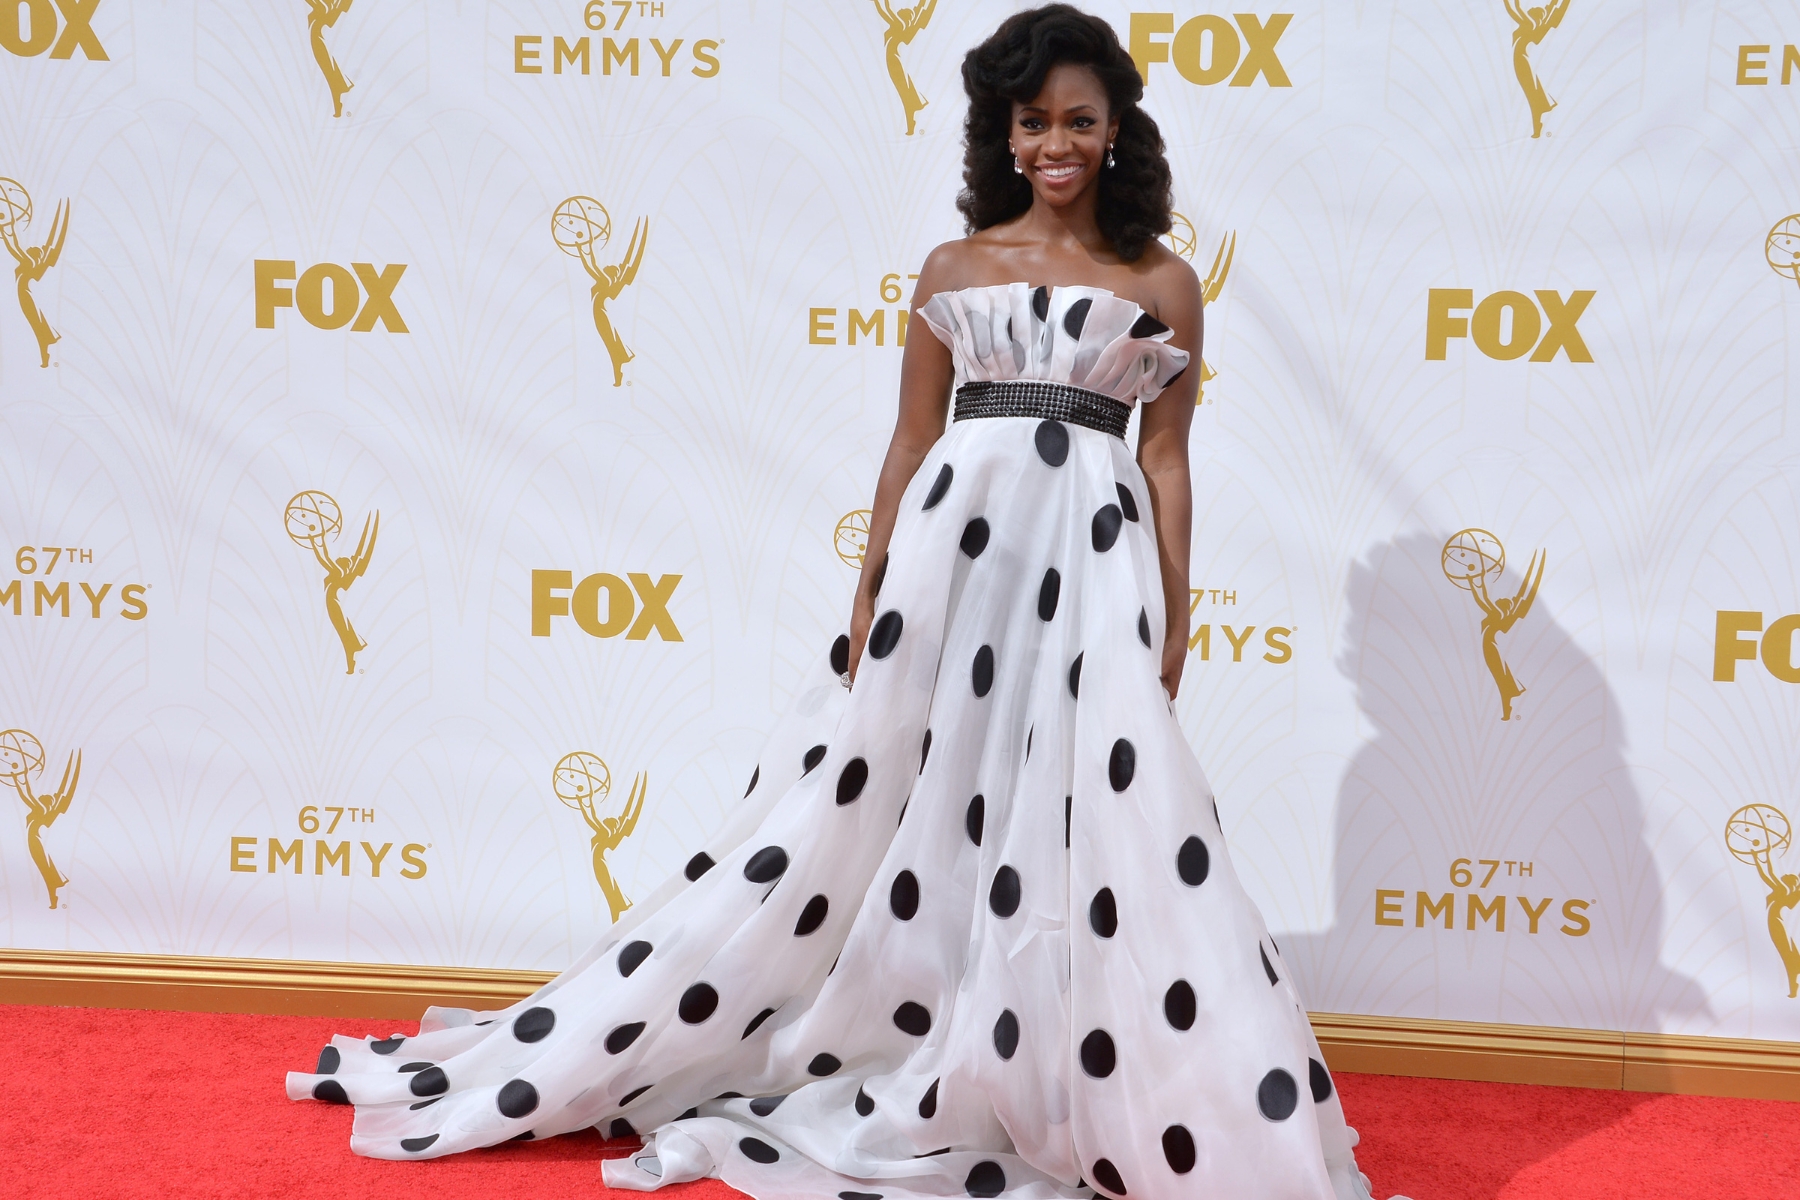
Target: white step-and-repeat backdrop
<point>436,433</point>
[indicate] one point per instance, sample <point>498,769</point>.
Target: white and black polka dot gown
<point>973,930</point>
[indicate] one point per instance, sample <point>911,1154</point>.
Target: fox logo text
<point>30,27</point>
<point>358,296</point>
<point>1209,49</point>
<point>604,605</point>
<point>1507,325</point>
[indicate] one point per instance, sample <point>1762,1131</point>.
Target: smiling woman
<point>974,929</point>
<point>1063,71</point>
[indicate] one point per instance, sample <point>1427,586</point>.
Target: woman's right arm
<point>926,372</point>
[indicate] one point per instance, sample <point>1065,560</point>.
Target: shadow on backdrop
<point>1561,925</point>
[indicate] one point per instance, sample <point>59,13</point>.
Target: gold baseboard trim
<point>1641,1062</point>
<point>271,986</point>
<point>1632,1062</point>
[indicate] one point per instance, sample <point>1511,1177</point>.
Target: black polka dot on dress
<point>852,780</point>
<point>1006,1035</point>
<point>1180,1005</point>
<point>1098,1055</point>
<point>622,1037</point>
<point>1004,895</point>
<point>928,1102</point>
<point>1192,862</point>
<point>812,916</point>
<point>631,956</point>
<point>1178,1149</point>
<point>1103,913</point>
<point>757,1150</point>
<point>985,1178</point>
<point>1127,503</point>
<point>1076,316</point>
<point>981,672</point>
<point>974,537</point>
<point>940,487</point>
<point>766,865</point>
<point>1277,1095</point>
<point>1106,527</point>
<point>698,1003</point>
<point>1121,766</point>
<point>912,1017</point>
<point>430,1082</point>
<point>884,635</point>
<point>1052,441</point>
<point>1320,1080</point>
<point>1107,1176</point>
<point>1048,593</point>
<point>903,896</point>
<point>517,1099</point>
<point>535,1024</point>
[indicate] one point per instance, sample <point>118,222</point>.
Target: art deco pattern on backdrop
<point>438,438</point>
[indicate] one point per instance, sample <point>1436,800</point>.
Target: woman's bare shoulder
<point>1169,280</point>
<point>949,266</point>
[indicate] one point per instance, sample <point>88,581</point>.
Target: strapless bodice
<point>1083,336</point>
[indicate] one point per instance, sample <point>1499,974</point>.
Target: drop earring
<point>1109,156</point>
<point>1017,169</point>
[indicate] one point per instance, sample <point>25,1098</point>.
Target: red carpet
<point>105,1103</point>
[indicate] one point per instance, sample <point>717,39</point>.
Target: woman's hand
<point>1174,655</point>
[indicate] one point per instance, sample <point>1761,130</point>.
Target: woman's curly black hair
<point>1134,202</point>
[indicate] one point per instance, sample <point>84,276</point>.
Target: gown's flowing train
<point>973,929</point>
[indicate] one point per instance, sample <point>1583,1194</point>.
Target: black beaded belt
<point>1044,400</point>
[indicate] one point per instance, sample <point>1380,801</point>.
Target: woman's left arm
<point>1163,455</point>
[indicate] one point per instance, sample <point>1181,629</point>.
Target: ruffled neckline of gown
<point>1083,336</point>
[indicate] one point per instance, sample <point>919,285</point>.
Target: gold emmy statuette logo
<point>582,781</point>
<point>1182,239</point>
<point>1532,24</point>
<point>851,537</point>
<point>15,207</point>
<point>1471,560</point>
<point>320,16</point>
<point>581,227</point>
<point>1754,834</point>
<point>21,759</point>
<point>903,24</point>
<point>313,519</point>
<point>1781,249</point>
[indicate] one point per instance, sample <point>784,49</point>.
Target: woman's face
<point>1061,136</point>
